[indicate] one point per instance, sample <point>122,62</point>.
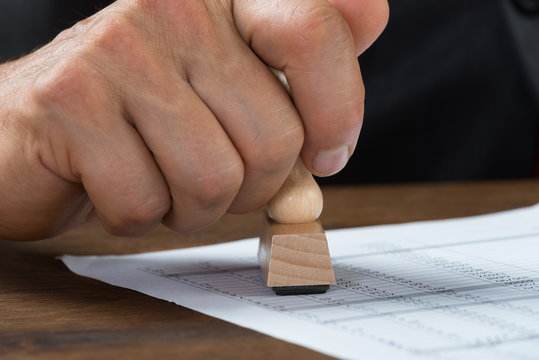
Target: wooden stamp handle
<point>299,200</point>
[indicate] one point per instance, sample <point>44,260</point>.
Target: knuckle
<point>119,39</point>
<point>138,217</point>
<point>197,25</point>
<point>70,85</point>
<point>82,80</point>
<point>318,24</point>
<point>275,152</point>
<point>114,34</point>
<point>216,187</point>
<point>163,7</point>
<point>148,4</point>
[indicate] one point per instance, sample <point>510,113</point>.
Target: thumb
<point>366,19</point>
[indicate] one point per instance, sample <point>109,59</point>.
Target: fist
<point>164,111</point>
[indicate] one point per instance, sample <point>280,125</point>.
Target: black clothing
<point>452,93</point>
<point>452,87</point>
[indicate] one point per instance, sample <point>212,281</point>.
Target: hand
<point>164,111</point>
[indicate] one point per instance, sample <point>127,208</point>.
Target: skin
<point>164,111</point>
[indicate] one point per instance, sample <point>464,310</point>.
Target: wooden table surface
<point>48,312</point>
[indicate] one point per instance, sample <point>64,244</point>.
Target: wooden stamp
<point>293,251</point>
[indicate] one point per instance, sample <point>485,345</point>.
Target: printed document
<point>452,289</point>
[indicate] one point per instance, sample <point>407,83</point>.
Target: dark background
<point>27,24</point>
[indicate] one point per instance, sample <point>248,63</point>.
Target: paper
<point>453,289</point>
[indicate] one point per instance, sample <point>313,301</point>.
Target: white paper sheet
<point>453,289</point>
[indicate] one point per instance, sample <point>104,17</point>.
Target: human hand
<point>164,111</point>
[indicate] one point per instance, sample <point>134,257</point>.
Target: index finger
<point>313,45</point>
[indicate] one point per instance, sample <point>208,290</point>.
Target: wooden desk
<point>48,312</point>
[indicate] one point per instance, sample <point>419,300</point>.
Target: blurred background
<point>452,87</point>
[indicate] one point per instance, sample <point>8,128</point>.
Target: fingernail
<point>329,162</point>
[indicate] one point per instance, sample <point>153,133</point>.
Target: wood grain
<point>293,249</point>
<point>47,312</point>
<point>294,254</point>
